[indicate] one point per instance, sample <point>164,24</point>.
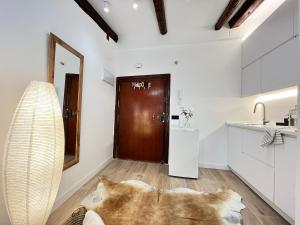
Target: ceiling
<point>188,21</point>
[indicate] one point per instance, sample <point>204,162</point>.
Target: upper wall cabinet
<point>251,79</point>
<point>277,29</point>
<point>280,67</point>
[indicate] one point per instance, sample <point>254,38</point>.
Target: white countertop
<point>289,131</point>
<point>184,128</point>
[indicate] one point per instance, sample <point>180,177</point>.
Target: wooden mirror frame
<point>51,68</point>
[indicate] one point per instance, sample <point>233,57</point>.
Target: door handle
<point>161,117</point>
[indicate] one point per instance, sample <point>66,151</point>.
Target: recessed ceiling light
<point>106,6</point>
<point>135,4</point>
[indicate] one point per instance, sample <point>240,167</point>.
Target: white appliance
<point>184,152</point>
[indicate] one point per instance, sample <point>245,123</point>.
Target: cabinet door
<point>234,148</point>
<point>251,79</point>
<point>259,175</point>
<point>285,176</point>
<point>252,147</point>
<point>258,163</point>
<point>280,67</point>
<point>277,29</point>
<point>184,153</point>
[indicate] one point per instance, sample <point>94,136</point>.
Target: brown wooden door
<point>70,110</point>
<point>142,123</point>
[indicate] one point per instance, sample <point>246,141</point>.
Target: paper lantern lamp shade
<point>33,156</point>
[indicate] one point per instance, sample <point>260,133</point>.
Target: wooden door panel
<point>141,135</point>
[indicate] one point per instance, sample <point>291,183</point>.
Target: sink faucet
<point>264,111</point>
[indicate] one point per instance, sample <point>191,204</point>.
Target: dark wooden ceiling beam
<point>229,10</point>
<point>244,12</point>
<point>89,9</point>
<point>161,16</point>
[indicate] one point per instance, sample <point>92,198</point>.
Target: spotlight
<point>135,4</point>
<point>106,6</point>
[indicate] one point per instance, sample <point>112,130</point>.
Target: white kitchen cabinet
<point>285,176</point>
<point>184,152</point>
<point>270,54</point>
<point>259,175</point>
<point>280,68</point>
<point>258,163</point>
<point>277,29</point>
<point>250,160</point>
<point>252,147</point>
<point>270,171</point>
<point>251,79</point>
<point>234,147</point>
<point>276,70</point>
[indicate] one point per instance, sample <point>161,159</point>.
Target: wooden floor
<point>257,212</point>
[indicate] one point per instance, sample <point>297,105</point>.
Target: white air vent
<point>108,77</point>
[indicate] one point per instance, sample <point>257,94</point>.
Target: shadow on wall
<point>213,149</point>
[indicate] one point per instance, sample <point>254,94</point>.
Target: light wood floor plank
<point>257,212</point>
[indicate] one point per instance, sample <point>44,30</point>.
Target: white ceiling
<point>188,21</point>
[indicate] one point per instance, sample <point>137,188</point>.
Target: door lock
<point>161,117</point>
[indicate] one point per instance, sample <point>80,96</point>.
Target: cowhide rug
<point>137,203</point>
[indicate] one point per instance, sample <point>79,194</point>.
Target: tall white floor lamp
<point>33,156</point>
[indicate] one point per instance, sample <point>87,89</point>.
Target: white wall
<point>276,109</point>
<point>25,26</point>
<point>209,78</point>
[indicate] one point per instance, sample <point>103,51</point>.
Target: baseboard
<point>59,201</point>
<point>213,166</point>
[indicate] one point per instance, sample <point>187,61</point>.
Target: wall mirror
<point>65,71</point>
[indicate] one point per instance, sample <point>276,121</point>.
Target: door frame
<point>167,79</point>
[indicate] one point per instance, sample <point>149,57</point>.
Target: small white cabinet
<point>184,152</point>
<point>251,79</point>
<point>285,176</point>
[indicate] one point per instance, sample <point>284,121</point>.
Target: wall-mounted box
<point>108,77</point>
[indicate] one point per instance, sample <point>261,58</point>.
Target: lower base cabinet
<point>235,148</point>
<point>285,176</point>
<point>271,170</point>
<point>258,175</point>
